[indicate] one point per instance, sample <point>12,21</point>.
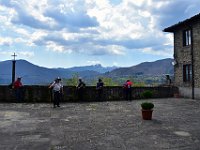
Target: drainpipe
<point>192,59</point>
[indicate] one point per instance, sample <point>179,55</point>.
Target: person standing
<point>128,89</point>
<point>17,85</point>
<point>57,91</point>
<point>80,89</point>
<point>99,88</point>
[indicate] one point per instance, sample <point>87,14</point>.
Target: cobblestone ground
<point>100,126</point>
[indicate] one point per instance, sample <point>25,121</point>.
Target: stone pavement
<point>100,126</point>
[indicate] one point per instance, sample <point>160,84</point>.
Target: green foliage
<point>147,105</point>
<point>138,80</point>
<point>109,82</point>
<point>138,84</point>
<point>147,94</point>
<point>72,81</point>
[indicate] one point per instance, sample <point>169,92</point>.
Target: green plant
<point>147,94</point>
<point>147,105</point>
<point>72,81</point>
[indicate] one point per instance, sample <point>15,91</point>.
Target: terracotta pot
<point>147,114</point>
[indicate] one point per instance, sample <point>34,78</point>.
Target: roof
<point>185,22</point>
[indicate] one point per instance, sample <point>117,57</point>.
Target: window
<point>186,37</point>
<point>187,73</point>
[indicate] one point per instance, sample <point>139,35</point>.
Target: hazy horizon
<point>82,65</point>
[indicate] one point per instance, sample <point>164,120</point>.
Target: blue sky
<point>66,33</point>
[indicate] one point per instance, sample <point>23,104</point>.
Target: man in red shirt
<point>17,85</point>
<point>128,89</point>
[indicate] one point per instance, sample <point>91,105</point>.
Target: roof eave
<point>168,30</point>
<point>182,23</point>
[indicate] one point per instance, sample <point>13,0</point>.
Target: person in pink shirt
<point>17,85</point>
<point>128,89</point>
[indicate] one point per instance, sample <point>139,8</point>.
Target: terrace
<point>101,125</point>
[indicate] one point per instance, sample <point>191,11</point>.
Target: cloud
<point>26,53</point>
<point>71,18</point>
<point>58,48</point>
<point>93,62</point>
<point>49,15</point>
<point>106,27</point>
<point>30,14</point>
<point>171,12</point>
<point>164,52</point>
<point>115,64</point>
<point>19,53</point>
<point>5,41</point>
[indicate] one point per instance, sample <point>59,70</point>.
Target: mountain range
<point>36,75</point>
<point>155,68</point>
<point>33,74</point>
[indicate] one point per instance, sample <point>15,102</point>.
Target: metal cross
<point>14,55</point>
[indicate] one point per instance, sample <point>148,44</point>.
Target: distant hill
<point>36,75</point>
<point>158,67</point>
<point>97,68</point>
<point>31,74</point>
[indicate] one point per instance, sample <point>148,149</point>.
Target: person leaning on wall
<point>57,89</point>
<point>128,90</point>
<point>99,89</point>
<point>80,89</point>
<point>18,88</point>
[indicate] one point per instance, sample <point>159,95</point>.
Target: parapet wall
<point>34,94</point>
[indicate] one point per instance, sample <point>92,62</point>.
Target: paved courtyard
<point>100,126</point>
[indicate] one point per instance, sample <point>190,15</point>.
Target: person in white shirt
<point>57,91</point>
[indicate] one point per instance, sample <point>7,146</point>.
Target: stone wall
<point>43,94</point>
<point>183,54</point>
<point>196,47</point>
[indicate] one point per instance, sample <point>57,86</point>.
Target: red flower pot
<point>147,114</point>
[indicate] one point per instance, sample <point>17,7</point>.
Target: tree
<point>73,81</point>
<point>109,82</point>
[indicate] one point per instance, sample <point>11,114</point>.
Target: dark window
<point>187,73</point>
<point>186,37</point>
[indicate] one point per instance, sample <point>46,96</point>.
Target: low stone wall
<point>43,94</point>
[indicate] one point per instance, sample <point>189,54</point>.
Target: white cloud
<point>23,32</point>
<point>115,64</point>
<point>138,3</point>
<point>58,48</point>
<point>169,39</point>
<point>93,62</point>
<point>92,27</point>
<point>6,53</point>
<point>5,41</point>
<point>115,49</point>
<point>26,53</point>
<point>150,50</point>
<point>36,36</point>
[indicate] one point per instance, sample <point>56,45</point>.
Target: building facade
<point>187,56</point>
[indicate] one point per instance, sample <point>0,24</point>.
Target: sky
<point>67,33</point>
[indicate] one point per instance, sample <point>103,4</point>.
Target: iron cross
<point>14,55</point>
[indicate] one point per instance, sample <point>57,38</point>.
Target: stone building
<point>187,56</point>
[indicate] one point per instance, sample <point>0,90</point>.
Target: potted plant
<point>147,109</point>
